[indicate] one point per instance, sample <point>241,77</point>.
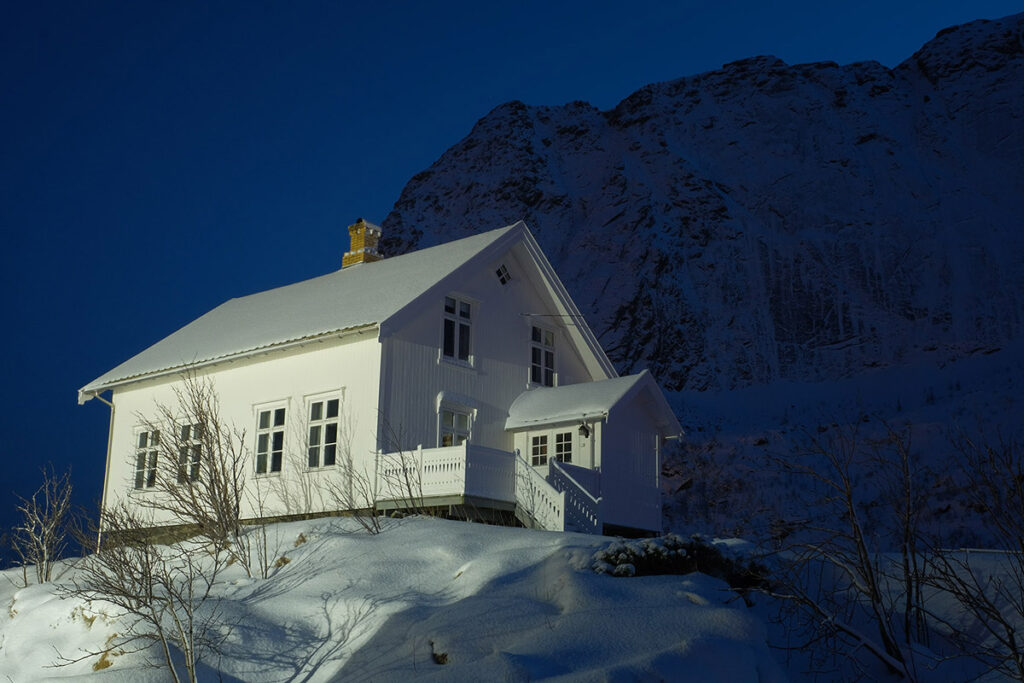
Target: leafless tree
<point>836,570</point>
<point>206,488</point>
<point>40,537</point>
<point>353,487</point>
<point>989,586</point>
<point>159,593</point>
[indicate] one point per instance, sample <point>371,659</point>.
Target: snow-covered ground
<point>493,603</point>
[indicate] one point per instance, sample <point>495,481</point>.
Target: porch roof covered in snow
<point>589,401</point>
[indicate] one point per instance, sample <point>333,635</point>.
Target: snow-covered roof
<point>585,402</point>
<point>362,295</point>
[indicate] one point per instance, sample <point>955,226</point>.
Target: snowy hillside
<point>424,599</point>
<point>768,222</point>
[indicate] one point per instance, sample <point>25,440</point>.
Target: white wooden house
<point>466,364</point>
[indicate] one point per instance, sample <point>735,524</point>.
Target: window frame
<point>564,446</point>
<point>190,453</point>
<point>539,450</point>
<point>540,348</point>
<point>461,328</point>
<point>147,458</point>
<point>454,430</point>
<point>322,425</point>
<point>270,431</point>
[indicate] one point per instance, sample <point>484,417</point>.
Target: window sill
<point>454,362</point>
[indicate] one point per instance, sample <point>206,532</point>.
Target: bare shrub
<point>988,586</point>
<point>159,593</point>
<point>851,595</point>
<point>40,537</point>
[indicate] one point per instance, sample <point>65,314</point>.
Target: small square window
<point>502,273</point>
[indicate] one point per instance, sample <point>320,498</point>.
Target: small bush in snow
<point>672,554</point>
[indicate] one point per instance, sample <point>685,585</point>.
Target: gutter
<point>86,394</point>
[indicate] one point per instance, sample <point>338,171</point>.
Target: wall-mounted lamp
<point>584,430</point>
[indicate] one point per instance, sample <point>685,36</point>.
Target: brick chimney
<point>363,237</point>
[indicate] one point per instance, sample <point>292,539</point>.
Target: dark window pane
<point>265,419</point>
<point>464,310</point>
<point>261,443</point>
<point>197,431</point>
<point>332,408</point>
<point>446,440</point>
<point>329,455</point>
<point>449,305</point>
<point>186,432</point>
<point>314,435</point>
<point>279,417</point>
<point>536,334</point>
<point>154,437</point>
<point>261,462</point>
<point>314,456</point>
<point>143,438</point>
<point>535,374</point>
<point>549,359</point>
<point>549,378</point>
<point>151,472</point>
<point>278,442</point>
<point>275,461</point>
<point>140,470</point>
<point>463,342</point>
<point>316,411</point>
<point>331,435</point>
<point>449,338</point>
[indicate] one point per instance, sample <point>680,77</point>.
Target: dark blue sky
<point>158,158</point>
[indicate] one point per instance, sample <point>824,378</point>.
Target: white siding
<point>285,378</point>
<point>414,373</point>
<point>629,473</point>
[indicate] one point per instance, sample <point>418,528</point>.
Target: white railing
<point>537,499</point>
<point>490,473</point>
<point>450,471</point>
<point>582,510</point>
<point>409,478</point>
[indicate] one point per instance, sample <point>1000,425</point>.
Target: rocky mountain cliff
<point>767,221</point>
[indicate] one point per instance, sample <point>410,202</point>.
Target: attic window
<point>502,273</point>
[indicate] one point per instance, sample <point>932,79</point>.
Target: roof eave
<point>94,389</point>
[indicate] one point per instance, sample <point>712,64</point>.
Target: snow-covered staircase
<point>558,503</point>
<point>582,508</point>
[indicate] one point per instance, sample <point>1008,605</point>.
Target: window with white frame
<point>269,440</point>
<point>542,356</point>
<point>455,426</point>
<point>539,450</point>
<point>322,446</point>
<point>190,453</point>
<point>503,274</point>
<point>147,449</point>
<point>563,447</point>
<point>458,322</point>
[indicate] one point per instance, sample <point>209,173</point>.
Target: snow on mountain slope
<point>768,222</point>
